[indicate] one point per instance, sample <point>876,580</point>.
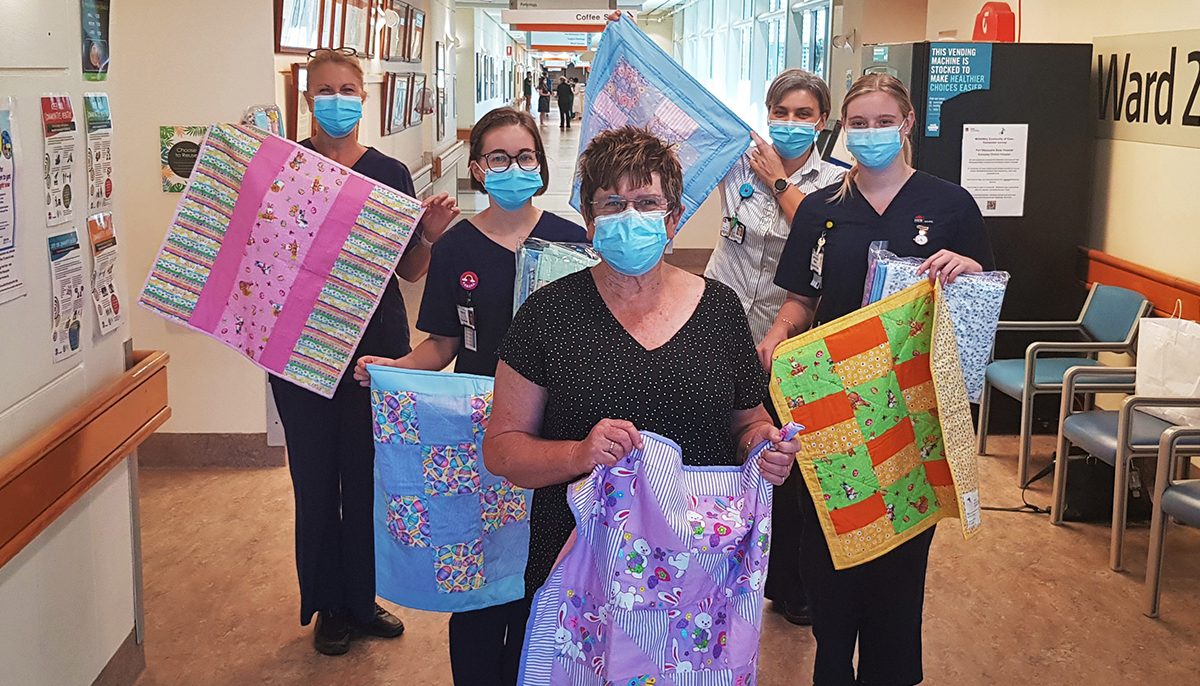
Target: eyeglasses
<point>348,52</point>
<point>498,160</point>
<point>615,204</point>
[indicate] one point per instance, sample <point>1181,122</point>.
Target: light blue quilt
<point>633,82</point>
<point>449,535</point>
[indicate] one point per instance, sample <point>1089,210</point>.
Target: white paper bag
<point>1168,366</point>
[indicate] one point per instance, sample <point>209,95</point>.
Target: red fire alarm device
<point>996,23</point>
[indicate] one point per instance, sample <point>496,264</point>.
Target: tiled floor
<point>1024,602</point>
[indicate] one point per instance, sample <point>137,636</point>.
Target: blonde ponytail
<point>874,83</point>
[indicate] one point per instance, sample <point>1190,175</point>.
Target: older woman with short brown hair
<point>631,344</point>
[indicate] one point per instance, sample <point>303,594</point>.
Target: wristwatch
<point>780,185</point>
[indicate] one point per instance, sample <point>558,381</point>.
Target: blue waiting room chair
<point>1108,323</point>
<point>1172,498</point>
<point>1115,437</point>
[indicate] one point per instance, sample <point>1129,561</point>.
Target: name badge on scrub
<point>466,316</point>
<point>817,263</point>
<point>470,342</point>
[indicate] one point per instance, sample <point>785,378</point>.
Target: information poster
<point>104,259</point>
<point>93,17</point>
<point>954,68</point>
<point>58,127</point>
<point>10,285</point>
<point>993,167</point>
<point>67,292</point>
<point>179,146</point>
<point>98,120</point>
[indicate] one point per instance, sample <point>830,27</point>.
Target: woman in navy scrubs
<point>879,604</point>
<point>466,310</point>
<point>331,453</point>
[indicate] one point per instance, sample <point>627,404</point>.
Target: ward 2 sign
<point>1147,87</point>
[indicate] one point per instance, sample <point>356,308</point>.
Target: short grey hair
<point>798,79</point>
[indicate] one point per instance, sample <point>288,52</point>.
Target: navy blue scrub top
<point>387,333</point>
<point>465,257</point>
<point>946,210</point>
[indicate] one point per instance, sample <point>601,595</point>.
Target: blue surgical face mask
<point>337,114</point>
<point>631,242</point>
<point>792,138</point>
<point>512,187</point>
<point>874,148</point>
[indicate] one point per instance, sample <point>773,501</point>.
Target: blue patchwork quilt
<point>449,535</point>
<point>633,82</point>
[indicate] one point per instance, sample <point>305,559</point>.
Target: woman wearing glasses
<point>331,453</point>
<point>631,344</point>
<point>466,309</point>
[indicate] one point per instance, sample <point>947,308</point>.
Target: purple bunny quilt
<point>663,583</point>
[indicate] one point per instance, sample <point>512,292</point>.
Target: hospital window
<point>813,24</point>
<point>776,48</point>
<point>744,46</point>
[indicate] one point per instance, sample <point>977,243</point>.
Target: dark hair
<point>499,118</point>
<point>628,153</point>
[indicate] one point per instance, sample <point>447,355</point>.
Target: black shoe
<point>794,612</point>
<point>383,625</point>
<point>332,634</point>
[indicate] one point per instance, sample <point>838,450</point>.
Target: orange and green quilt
<point>887,447</point>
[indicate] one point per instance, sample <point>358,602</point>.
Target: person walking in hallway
<point>566,101</point>
<point>330,450</point>
<point>527,90</point>
<point>543,100</point>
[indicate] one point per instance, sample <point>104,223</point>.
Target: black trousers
<point>784,583</point>
<point>877,605</point>
<point>485,645</point>
<point>331,455</point>
<point>564,114</point>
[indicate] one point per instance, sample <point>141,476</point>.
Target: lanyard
<point>817,263</point>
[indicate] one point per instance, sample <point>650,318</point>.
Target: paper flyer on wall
<point>10,285</point>
<point>103,239</point>
<point>66,290</point>
<point>98,123</point>
<point>178,148</point>
<point>993,167</point>
<point>58,127</point>
<point>93,24</point>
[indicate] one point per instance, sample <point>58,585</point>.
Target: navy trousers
<point>331,455</point>
<point>485,645</point>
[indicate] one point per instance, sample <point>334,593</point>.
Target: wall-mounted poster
<point>93,19</point>
<point>478,77</point>
<point>441,113</point>
<point>416,34</point>
<point>396,40</point>
<point>399,88</point>
<point>331,23</point>
<point>179,146</point>
<point>357,23</point>
<point>418,104</point>
<point>98,125</point>
<point>58,127</point>
<point>10,283</point>
<point>299,116</point>
<point>297,25</point>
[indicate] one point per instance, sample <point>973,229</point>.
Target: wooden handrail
<point>1160,288</point>
<point>50,471</point>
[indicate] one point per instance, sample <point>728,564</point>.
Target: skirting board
<point>206,451</point>
<point>125,666</point>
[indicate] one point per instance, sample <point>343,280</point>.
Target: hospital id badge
<point>470,341</point>
<point>466,316</point>
<point>817,263</point>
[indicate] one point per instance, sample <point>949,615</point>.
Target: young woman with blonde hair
<point>877,605</point>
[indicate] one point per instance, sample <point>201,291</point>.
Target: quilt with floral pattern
<point>888,446</point>
<point>280,254</point>
<point>449,535</point>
